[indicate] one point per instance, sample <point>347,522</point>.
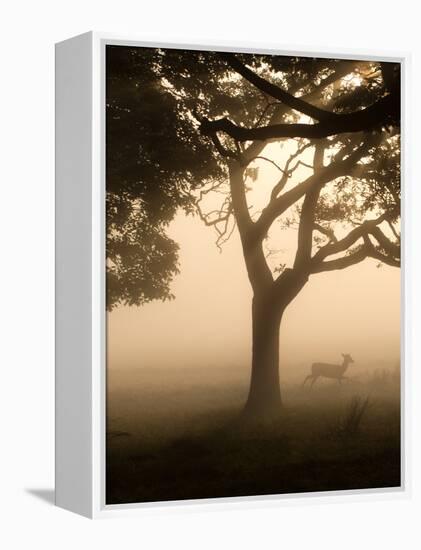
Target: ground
<point>174,434</point>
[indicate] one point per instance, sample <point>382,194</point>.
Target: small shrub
<point>349,423</point>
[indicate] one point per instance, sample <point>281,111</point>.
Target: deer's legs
<point>314,378</point>
<point>307,378</point>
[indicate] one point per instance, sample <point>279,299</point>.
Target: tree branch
<point>342,69</point>
<point>222,217</point>
<point>274,91</point>
<point>287,171</point>
<point>329,233</point>
<point>269,160</point>
<point>342,263</point>
<point>352,237</point>
<point>385,112</point>
<point>391,257</point>
<point>258,271</point>
<point>334,170</point>
<point>386,244</point>
<point>306,226</point>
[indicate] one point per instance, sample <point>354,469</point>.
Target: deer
<point>328,370</point>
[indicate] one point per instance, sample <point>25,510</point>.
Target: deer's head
<point>347,358</point>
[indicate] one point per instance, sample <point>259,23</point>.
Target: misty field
<point>175,434</point>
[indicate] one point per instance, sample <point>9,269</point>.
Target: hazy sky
<point>355,310</point>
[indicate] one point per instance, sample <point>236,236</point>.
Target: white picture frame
<point>80,277</point>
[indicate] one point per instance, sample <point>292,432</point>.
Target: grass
<point>349,423</point>
<point>180,439</point>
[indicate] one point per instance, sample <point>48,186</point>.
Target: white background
<point>29,30</point>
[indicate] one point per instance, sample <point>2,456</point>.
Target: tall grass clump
<point>349,423</point>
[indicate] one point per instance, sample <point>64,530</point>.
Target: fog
<point>208,325</point>
<point>179,372</point>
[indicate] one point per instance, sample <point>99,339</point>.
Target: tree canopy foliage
<point>179,122</point>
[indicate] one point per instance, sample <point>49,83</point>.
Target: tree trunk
<point>264,398</point>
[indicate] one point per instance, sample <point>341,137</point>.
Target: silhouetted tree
<point>150,174</point>
<point>224,110</point>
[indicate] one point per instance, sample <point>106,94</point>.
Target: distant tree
<point>225,109</point>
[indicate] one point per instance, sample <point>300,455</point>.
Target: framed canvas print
<point>229,288</point>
